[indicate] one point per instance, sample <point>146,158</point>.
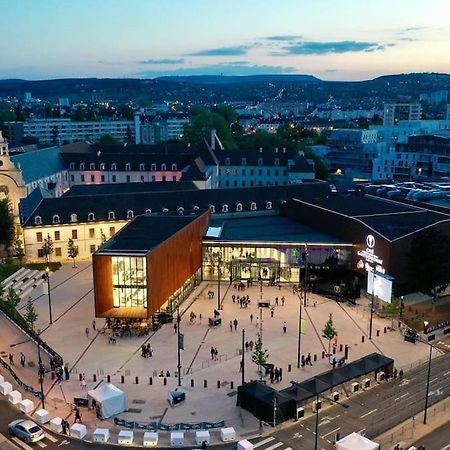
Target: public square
<point>94,354</point>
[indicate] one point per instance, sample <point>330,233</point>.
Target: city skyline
<point>145,39</point>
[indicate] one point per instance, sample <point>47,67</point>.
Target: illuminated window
<point>56,218</point>
<point>73,217</point>
<point>38,220</point>
<point>129,275</point>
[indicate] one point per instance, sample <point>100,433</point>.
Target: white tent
<point>109,399</point>
<point>355,441</point>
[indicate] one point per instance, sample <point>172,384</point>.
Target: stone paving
<point>73,312</point>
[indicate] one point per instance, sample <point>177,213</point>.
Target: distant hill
<point>208,88</point>
<point>224,79</point>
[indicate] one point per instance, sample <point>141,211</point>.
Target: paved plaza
<point>73,312</point>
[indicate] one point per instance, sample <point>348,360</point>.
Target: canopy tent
<point>265,402</point>
<point>109,400</point>
<point>355,441</point>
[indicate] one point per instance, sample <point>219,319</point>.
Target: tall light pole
<point>425,323</point>
<point>178,344</point>
<point>299,332</point>
<point>317,423</point>
<point>400,316</point>
<point>305,282</point>
<point>41,372</point>
<point>371,303</point>
<point>219,260</point>
<point>47,279</point>
<point>243,358</point>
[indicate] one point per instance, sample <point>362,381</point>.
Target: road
<point>439,439</point>
<point>371,413</point>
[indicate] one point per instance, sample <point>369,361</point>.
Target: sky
<point>331,39</point>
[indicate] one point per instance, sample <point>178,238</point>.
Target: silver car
<point>26,430</point>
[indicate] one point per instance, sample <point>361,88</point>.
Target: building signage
<point>368,254</point>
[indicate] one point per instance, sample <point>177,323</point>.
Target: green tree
<point>20,113</point>
<point>20,251</point>
<point>127,112</point>
<point>79,115</point>
<point>329,332</point>
<point>260,355</point>
<point>12,299</point>
<point>47,248</point>
<point>108,139</point>
<point>199,130</point>
<point>392,309</point>
<point>30,314</point>
<point>6,115</point>
<point>429,261</point>
<point>228,113</point>
<point>321,169</point>
<point>72,251</point>
<point>6,223</point>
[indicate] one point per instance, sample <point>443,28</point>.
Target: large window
<point>129,276</point>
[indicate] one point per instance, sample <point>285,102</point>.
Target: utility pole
<point>178,344</point>
<point>41,374</point>
<point>243,357</point>
<point>47,279</point>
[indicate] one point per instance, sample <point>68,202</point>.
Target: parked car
<point>26,430</point>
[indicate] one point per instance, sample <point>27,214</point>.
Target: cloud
<point>223,51</point>
<point>111,63</point>
<point>323,48</point>
<point>229,69</point>
<point>162,61</point>
<point>407,30</point>
<point>283,37</point>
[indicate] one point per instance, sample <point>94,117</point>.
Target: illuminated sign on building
<point>369,257</point>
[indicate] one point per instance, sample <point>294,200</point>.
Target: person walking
<point>235,323</point>
<point>231,325</point>
<point>280,372</point>
<point>284,327</point>
<point>303,361</point>
<point>87,332</point>
<point>276,301</point>
<point>271,312</point>
<point>216,354</point>
<point>282,300</point>
<point>212,352</point>
<point>272,376</point>
<point>22,359</point>
<point>77,415</point>
<point>93,324</point>
<point>251,318</point>
<point>11,359</point>
<point>309,359</point>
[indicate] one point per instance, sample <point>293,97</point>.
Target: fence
<point>24,386</point>
<point>405,432</point>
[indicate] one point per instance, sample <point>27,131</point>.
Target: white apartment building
<point>395,112</point>
<point>59,131</point>
<point>159,129</point>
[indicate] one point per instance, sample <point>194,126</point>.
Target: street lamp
<point>219,271</point>
<point>305,283</point>
<point>178,344</point>
<point>299,332</point>
<point>425,325</point>
<point>372,302</point>
<point>243,357</point>
<point>400,316</point>
<point>46,277</point>
<point>41,372</point>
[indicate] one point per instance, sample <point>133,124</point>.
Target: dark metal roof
<point>138,203</point>
<point>144,233</point>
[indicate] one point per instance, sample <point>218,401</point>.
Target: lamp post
<point>425,325</point>
<point>299,331</point>
<point>305,283</point>
<point>400,316</point>
<point>47,279</point>
<point>219,260</point>
<point>317,423</point>
<point>178,345</point>
<point>243,358</point>
<point>371,303</point>
<point>41,372</point>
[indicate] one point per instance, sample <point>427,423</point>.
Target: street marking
<point>360,431</point>
<point>265,441</point>
<point>401,396</point>
<point>41,444</point>
<point>434,379</point>
<point>296,436</point>
<point>331,432</point>
<point>370,412</point>
<point>273,447</point>
<point>446,447</point>
<point>50,437</point>
<point>21,443</point>
<point>64,442</point>
<point>446,373</point>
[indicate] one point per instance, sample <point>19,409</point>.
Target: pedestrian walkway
<point>269,443</point>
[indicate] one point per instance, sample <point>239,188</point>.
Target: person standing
<point>83,381</point>
<point>309,359</point>
<point>231,325</point>
<point>280,372</point>
<point>22,359</point>
<point>216,354</point>
<point>77,415</point>
<point>93,324</point>
<point>212,352</point>
<point>87,332</point>
<point>11,359</point>
<point>282,300</point>
<point>235,323</point>
<point>251,318</point>
<point>284,327</point>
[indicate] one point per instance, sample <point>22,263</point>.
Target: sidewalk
<point>73,312</point>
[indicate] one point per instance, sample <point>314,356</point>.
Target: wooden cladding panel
<point>171,263</point>
<point>103,293</point>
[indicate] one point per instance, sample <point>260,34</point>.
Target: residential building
<point>395,112</point>
<point>160,128</point>
<point>60,131</point>
<point>435,98</point>
<point>447,115</point>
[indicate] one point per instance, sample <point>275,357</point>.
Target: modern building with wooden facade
<point>149,265</point>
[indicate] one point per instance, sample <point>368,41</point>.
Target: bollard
<point>334,350</point>
<point>341,347</point>
<point>122,379</point>
<point>80,376</point>
<point>108,378</point>
<point>385,330</point>
<point>289,367</point>
<point>231,384</point>
<point>53,375</point>
<point>315,357</point>
<point>346,352</point>
<point>137,380</point>
<point>150,381</point>
<point>362,339</point>
<point>205,383</point>
<point>323,354</point>
<point>192,383</point>
<point>94,377</point>
<point>218,384</point>
<point>378,333</point>
<point>165,381</point>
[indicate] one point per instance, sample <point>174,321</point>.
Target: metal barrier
<point>24,386</point>
<point>153,426</point>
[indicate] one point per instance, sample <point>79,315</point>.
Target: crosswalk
<point>42,444</point>
<point>270,443</point>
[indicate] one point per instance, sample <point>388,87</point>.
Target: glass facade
<point>274,263</point>
<point>129,275</point>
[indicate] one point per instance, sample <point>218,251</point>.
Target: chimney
<point>213,139</point>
